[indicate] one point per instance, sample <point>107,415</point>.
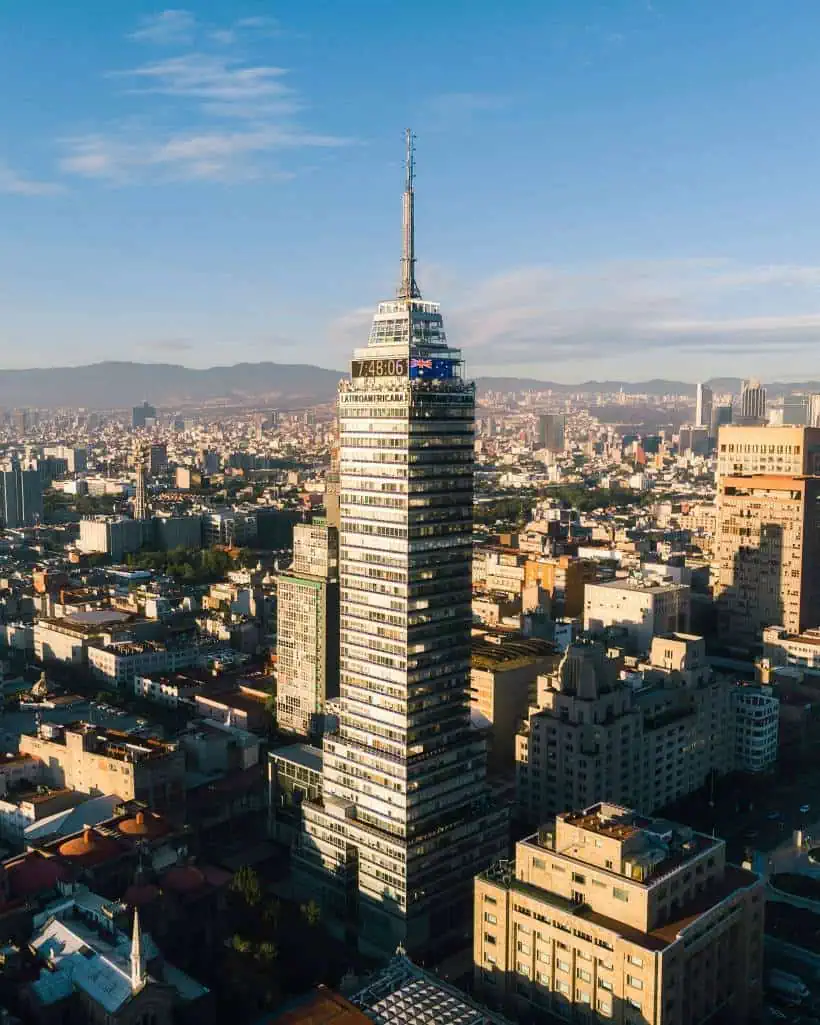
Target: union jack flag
<point>421,364</point>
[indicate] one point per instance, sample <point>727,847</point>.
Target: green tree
<point>312,913</point>
<point>246,884</point>
<point>240,944</point>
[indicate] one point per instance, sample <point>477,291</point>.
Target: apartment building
<point>768,556</point>
<point>618,917</point>
<point>756,714</point>
<point>642,606</point>
<point>643,741</point>
<point>801,651</point>
<point>95,760</point>
<point>564,578</point>
<point>744,450</point>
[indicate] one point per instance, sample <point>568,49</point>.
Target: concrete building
<point>645,741</point>
<point>95,761</point>
<point>294,776</point>
<point>617,917</point>
<point>406,816</point>
<point>550,432</point>
<point>171,532</point>
<point>756,714</point>
<point>800,651</point>
<point>307,650</point>
<point>767,555</point>
<point>503,678</point>
<point>703,405</point>
<point>113,535</point>
<point>229,527</point>
<point>643,607</point>
<point>564,578</point>
<point>140,415</point>
<point>752,403</point>
<point>315,550</point>
<point>21,497</point>
<point>121,663</point>
<point>791,451</point>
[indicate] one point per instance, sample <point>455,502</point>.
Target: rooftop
<point>509,654</point>
<point>640,584</point>
<point>300,754</point>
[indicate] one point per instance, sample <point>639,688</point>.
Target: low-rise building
<point>619,917</point>
<point>94,761</point>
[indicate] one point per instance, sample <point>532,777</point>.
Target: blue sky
<point>625,188</point>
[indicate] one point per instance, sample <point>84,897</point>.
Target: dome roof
<point>90,846</point>
<point>144,826</point>
<point>184,879</point>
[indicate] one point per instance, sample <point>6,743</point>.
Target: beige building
<point>768,556</point>
<point>791,451</point>
<point>644,741</point>
<point>800,651</point>
<point>95,761</point>
<point>620,918</point>
<point>503,678</point>
<point>643,607</point>
<point>564,578</point>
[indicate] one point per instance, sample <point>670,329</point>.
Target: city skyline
<point>197,172</point>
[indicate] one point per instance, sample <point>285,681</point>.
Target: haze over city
<point>626,184</point>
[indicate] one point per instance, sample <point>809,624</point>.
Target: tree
<point>240,944</point>
<point>246,884</point>
<point>312,913</point>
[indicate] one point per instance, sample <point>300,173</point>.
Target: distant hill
<point>118,385</point>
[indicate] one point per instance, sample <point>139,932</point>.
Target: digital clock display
<point>379,368</point>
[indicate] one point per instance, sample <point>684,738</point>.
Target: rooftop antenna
<point>408,289</point>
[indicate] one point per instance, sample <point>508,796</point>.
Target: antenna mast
<point>408,288</point>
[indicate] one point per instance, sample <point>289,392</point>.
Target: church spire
<point>408,289</point>
<point>137,957</point>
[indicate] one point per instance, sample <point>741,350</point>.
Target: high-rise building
<point>703,405</point>
<point>21,497</point>
<point>647,741</point>
<point>140,414</point>
<point>550,432</point>
<point>141,451</point>
<point>796,409</point>
<point>405,818</point>
<point>768,555</point>
<point>752,403</point>
<point>609,916</point>
<point>307,629</point>
<point>158,458</point>
<point>720,415</point>
<point>792,451</point>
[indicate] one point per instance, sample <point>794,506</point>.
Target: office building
<point>768,556</point>
<point>406,818</point>
<point>114,535</point>
<point>800,652</point>
<point>141,414</point>
<point>703,405</point>
<point>752,403</point>
<point>229,527</point>
<point>721,415</point>
<point>607,915</point>
<point>307,629</point>
<point>643,607</point>
<point>791,451</point>
<point>21,497</point>
<point>157,458</point>
<point>796,409</point>
<point>563,578</point>
<point>76,459</point>
<point>645,741</point>
<point>694,440</point>
<point>550,432</point>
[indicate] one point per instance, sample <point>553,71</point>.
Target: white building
<point>114,535</point>
<point>644,608</point>
<point>757,722</point>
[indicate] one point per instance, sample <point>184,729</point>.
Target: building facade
<point>644,742</point>
<point>405,818</point>
<point>752,403</point>
<point>768,556</point>
<point>643,607</point>
<point>616,917</point>
<point>745,450</point>
<point>703,405</point>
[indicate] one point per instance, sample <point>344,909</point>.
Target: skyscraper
<point>752,403</point>
<point>405,818</point>
<point>307,629</point>
<point>703,406</point>
<point>140,414</point>
<point>550,432</point>
<point>21,497</point>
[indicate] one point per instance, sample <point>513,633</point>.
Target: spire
<point>137,959</point>
<point>408,289</point>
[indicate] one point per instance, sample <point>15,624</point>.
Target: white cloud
<point>664,313</point>
<point>13,183</point>
<point>208,94</point>
<point>171,27</point>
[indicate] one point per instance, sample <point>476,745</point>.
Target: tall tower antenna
<point>408,289</point>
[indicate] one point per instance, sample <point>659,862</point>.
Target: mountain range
<point>117,385</point>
